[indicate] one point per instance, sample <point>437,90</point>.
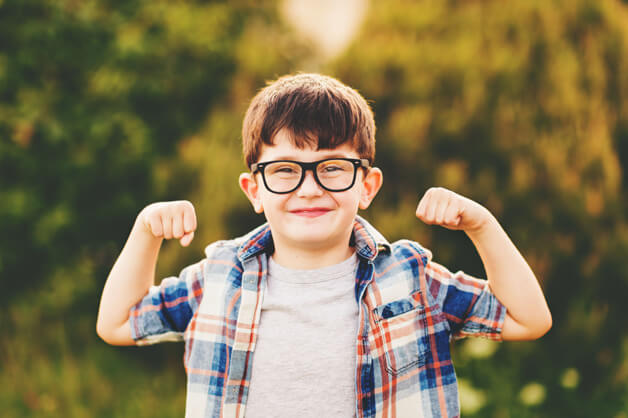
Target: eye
<point>332,168</point>
<point>283,169</point>
<point>335,167</point>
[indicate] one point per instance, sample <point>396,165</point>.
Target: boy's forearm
<point>129,280</point>
<point>512,281</point>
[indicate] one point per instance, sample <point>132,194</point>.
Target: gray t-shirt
<point>305,357</point>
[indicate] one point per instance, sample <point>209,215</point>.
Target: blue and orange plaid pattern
<point>410,309</point>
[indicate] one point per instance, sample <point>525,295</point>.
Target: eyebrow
<point>322,157</point>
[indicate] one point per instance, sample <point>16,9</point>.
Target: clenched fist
<point>443,207</point>
<point>170,220</point>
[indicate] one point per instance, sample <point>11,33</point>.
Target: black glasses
<point>332,174</point>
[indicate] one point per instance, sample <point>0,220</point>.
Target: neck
<point>300,258</point>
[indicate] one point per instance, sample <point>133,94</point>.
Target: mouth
<point>310,212</point>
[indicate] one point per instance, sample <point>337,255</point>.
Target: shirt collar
<point>367,240</point>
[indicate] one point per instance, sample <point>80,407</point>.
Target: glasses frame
<point>357,163</point>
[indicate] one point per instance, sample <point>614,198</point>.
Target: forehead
<point>284,149</point>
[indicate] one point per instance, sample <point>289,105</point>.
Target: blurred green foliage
<point>108,106</point>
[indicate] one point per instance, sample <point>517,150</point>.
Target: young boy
<point>315,314</point>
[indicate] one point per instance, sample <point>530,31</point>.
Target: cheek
<point>349,199</point>
<point>273,202</point>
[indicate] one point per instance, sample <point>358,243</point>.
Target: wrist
<point>485,226</point>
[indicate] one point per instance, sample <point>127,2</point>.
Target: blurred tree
<point>524,108</point>
<point>92,96</point>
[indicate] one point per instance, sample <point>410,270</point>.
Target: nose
<point>309,187</point>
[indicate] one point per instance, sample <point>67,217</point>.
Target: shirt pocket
<point>402,329</point>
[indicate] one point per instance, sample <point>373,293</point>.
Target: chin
<point>310,236</point>
<point>312,239</point>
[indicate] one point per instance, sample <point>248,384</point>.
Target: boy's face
<point>310,217</point>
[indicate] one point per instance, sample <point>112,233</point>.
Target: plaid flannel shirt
<point>409,310</point>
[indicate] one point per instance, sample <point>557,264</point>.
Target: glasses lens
<point>335,174</point>
<point>282,176</point>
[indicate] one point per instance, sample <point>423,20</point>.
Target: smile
<point>310,212</point>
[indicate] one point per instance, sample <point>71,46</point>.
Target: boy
<point>315,313</point>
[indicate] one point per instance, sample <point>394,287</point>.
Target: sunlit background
<point>107,106</point>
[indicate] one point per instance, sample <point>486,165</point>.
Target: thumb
<point>186,239</point>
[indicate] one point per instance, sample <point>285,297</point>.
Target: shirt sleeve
<point>166,310</point>
<point>467,303</point>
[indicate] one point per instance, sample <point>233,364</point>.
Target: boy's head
<point>309,141</point>
<point>315,110</point>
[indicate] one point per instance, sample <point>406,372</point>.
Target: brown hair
<point>317,111</point>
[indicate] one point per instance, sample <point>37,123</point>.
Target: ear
<point>250,187</point>
<point>370,186</point>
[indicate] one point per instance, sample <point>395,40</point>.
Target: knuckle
<point>168,205</point>
<point>165,217</point>
<point>443,193</point>
<point>182,204</point>
<point>149,212</point>
<point>149,217</point>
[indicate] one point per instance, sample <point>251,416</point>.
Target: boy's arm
<point>134,272</point>
<point>510,278</point>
